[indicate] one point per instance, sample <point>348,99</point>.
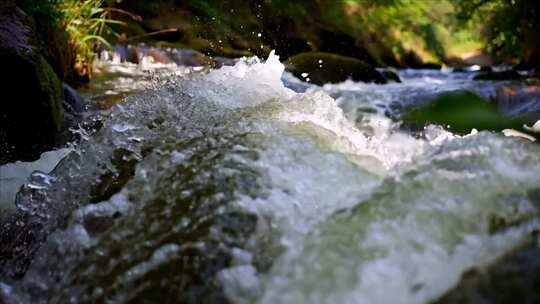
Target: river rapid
<point>245,185</point>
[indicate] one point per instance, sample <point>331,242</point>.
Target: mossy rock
<point>31,114</point>
<point>462,111</point>
<point>324,68</point>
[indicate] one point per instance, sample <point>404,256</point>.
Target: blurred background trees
<point>509,28</point>
<point>400,33</point>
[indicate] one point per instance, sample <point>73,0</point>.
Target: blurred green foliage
<point>510,28</point>
<point>386,32</point>
<point>461,112</point>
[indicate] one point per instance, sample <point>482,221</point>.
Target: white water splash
<point>14,175</point>
<point>349,207</point>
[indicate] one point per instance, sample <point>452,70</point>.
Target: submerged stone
<point>321,68</point>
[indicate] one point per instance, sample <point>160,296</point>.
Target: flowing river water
<point>245,185</point>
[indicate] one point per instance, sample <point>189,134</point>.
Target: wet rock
<point>391,76</point>
<point>74,107</point>
<point>462,111</point>
<point>31,116</point>
<point>458,70</point>
<point>513,279</point>
<point>71,100</point>
<point>132,55</point>
<point>502,75</point>
<point>321,68</point>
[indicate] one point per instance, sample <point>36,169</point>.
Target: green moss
<point>462,111</point>
<point>331,68</point>
<point>51,92</point>
<point>46,91</point>
<point>32,113</point>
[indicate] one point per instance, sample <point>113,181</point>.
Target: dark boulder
<point>502,75</point>
<point>390,75</point>
<point>31,117</point>
<point>458,70</point>
<point>486,68</point>
<point>321,68</point>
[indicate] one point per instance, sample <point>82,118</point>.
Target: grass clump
<point>87,23</point>
<point>68,32</point>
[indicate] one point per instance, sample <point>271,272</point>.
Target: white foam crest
<point>389,147</point>
<point>307,185</point>
<point>251,82</point>
<point>248,83</point>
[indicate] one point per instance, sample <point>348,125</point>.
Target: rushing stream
<point>245,185</point>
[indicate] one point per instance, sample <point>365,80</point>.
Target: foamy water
<point>246,191</point>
